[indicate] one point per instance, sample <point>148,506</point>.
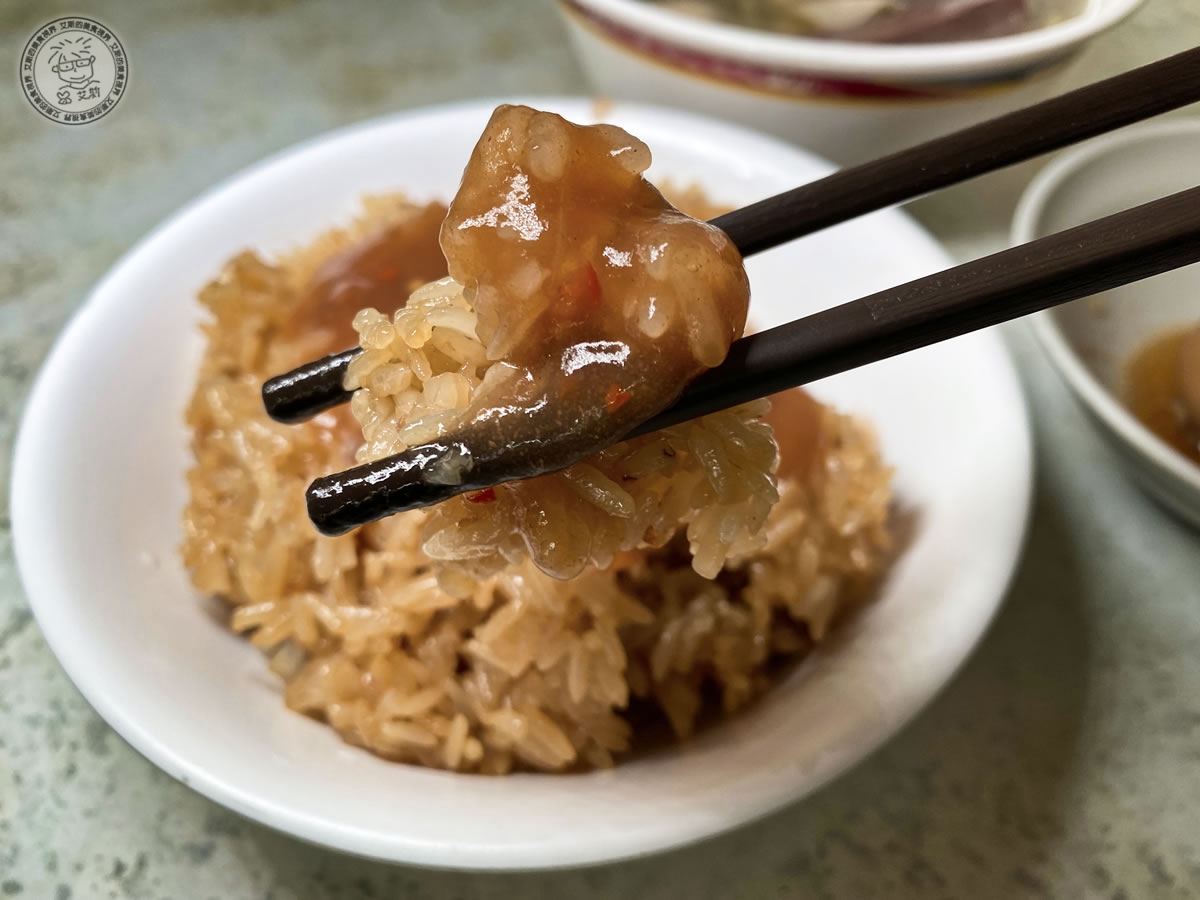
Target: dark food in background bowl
<point>881,21</point>
<point>1162,388</point>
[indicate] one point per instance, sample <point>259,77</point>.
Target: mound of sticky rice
<point>712,477</point>
<point>526,626</point>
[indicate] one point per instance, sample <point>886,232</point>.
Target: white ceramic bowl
<point>850,102</point>
<point>1090,341</point>
<point>98,487</point>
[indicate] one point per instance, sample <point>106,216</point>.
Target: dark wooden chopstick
<point>1080,114</point>
<point>1079,262</point>
<point>1004,141</point>
<point>1100,255</point>
<point>307,390</point>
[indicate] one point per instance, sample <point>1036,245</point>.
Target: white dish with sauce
<point>98,487</point>
<point>1091,341</point>
<point>849,101</point>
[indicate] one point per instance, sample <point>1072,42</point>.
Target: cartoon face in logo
<point>74,70</point>
<point>73,61</point>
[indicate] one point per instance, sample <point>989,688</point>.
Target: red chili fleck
<point>583,287</point>
<point>387,274</point>
<point>616,398</point>
<point>487,495</point>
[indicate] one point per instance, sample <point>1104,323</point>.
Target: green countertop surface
<point>1063,761</point>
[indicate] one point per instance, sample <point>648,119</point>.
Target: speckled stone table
<point>1064,761</point>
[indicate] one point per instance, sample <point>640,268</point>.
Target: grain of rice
<point>456,741</point>
<point>398,705</point>
<point>406,733</point>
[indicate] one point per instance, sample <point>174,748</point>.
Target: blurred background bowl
<point>1090,341</point>
<point>847,101</point>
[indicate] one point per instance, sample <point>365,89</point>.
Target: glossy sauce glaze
<point>560,242</point>
<point>599,297</point>
<point>1162,388</point>
<point>383,269</point>
<point>795,417</point>
<point>379,271</point>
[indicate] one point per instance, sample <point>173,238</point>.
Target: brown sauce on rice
<point>379,271</point>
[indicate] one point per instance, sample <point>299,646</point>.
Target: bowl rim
<point>1034,203</point>
<point>999,55</point>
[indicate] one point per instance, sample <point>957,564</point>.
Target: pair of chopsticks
<point>1091,258</point>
